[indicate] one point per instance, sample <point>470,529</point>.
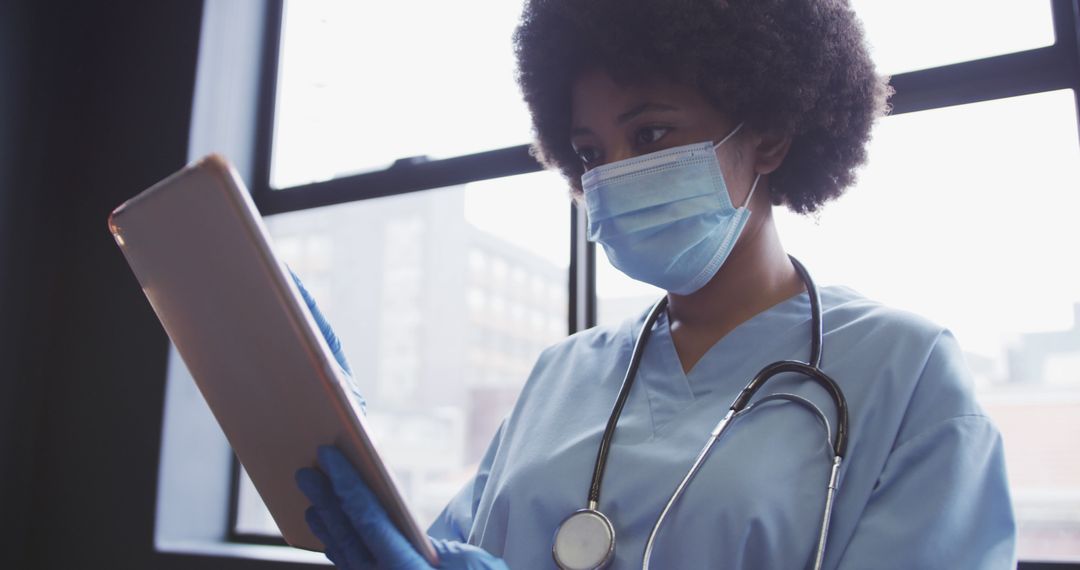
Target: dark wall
<point>15,438</point>
<point>95,105</point>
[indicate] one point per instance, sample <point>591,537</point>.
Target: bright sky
<point>365,83</point>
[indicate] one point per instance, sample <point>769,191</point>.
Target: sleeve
<point>942,498</point>
<point>456,520</point>
<point>941,502</point>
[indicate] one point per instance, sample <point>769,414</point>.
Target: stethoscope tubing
<point>840,440</point>
<point>810,369</point>
<point>620,401</point>
<point>738,408</point>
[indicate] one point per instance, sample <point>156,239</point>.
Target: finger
<point>344,534</point>
<point>318,528</point>
<point>358,558</point>
<point>472,556</point>
<point>324,325</point>
<point>366,514</point>
<point>316,487</point>
<point>339,535</point>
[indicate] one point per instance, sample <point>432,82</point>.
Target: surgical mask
<point>665,218</point>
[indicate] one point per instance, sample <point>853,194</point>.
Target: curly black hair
<point>788,67</point>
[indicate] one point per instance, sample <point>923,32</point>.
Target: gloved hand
<point>357,532</point>
<point>324,327</point>
<point>331,339</point>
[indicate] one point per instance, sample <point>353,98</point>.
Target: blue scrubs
<point>923,484</point>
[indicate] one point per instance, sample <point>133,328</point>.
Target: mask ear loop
<point>757,178</point>
<point>729,135</point>
<point>752,188</point>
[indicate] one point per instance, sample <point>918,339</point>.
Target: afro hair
<point>798,68</point>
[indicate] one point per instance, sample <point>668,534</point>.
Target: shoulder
<point>856,326</point>
<point>848,313</point>
<point>915,364</point>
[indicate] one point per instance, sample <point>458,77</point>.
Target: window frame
<point>1027,72</point>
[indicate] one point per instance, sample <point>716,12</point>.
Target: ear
<point>770,151</point>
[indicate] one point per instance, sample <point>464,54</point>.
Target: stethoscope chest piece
<point>585,540</point>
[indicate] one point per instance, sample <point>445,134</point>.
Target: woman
<point>679,124</point>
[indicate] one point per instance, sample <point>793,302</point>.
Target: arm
<point>942,498</point>
<point>942,501</point>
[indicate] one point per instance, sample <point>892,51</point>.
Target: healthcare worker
<point>679,124</point>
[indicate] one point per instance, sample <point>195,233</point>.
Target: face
<point>612,122</point>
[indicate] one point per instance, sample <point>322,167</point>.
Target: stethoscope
<point>585,540</point>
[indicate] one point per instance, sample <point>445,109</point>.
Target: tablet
<point>199,249</point>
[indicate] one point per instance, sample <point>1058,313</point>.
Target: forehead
<point>597,97</point>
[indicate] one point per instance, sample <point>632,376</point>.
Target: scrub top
<point>923,484</point>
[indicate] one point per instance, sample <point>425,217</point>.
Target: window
<point>921,34</point>
<point>942,224</point>
<point>367,224</point>
<point>335,113</point>
<point>407,277</point>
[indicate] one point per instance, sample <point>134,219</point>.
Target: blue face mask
<point>666,217</point>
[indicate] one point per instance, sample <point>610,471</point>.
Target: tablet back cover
<point>201,253</point>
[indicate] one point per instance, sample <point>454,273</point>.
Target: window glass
<point>918,34</point>
<point>346,106</point>
<point>361,84</point>
<point>967,215</point>
<point>443,300</point>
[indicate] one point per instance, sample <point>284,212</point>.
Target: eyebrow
<point>624,117</point>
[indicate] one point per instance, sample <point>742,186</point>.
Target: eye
<point>587,155</point>
<point>649,135</point>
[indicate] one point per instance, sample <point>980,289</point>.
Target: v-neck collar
<point>670,390</point>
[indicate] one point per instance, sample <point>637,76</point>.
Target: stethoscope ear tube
<point>816,332</point>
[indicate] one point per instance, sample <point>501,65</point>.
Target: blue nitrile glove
<point>331,338</point>
<point>324,327</point>
<point>358,534</point>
